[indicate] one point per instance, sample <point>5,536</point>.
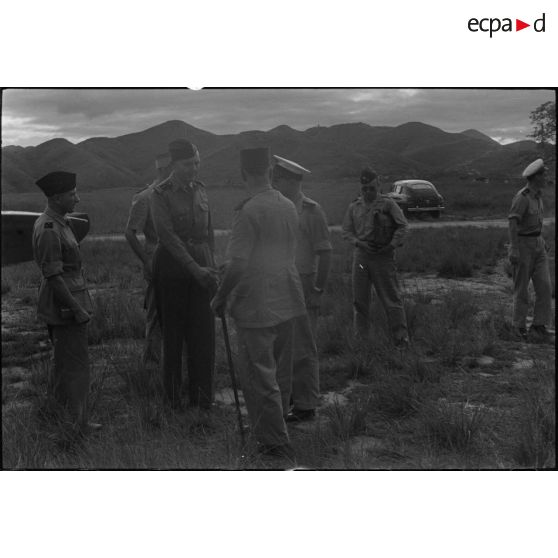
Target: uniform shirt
<point>264,236</point>
<point>312,234</point>
<point>182,219</point>
<point>56,252</point>
<point>528,210</point>
<point>380,223</point>
<point>140,218</point>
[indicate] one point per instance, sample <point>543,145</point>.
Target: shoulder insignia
<point>241,204</point>
<point>49,225</point>
<point>162,186</point>
<point>308,202</point>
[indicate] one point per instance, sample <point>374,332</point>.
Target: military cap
<point>255,160</point>
<point>284,167</point>
<point>367,175</point>
<point>57,182</point>
<point>534,168</point>
<point>162,160</point>
<point>182,149</point>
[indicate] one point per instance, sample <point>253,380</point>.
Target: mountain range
<point>412,150</point>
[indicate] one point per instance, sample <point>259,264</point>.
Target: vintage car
<point>416,197</point>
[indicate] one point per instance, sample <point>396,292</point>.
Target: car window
<point>416,187</point>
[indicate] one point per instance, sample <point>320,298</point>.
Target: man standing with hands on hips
<point>528,256</point>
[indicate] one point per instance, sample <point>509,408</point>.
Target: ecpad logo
<point>492,25</point>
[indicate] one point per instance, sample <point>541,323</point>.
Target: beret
<point>57,182</point>
<point>182,149</point>
<point>367,175</point>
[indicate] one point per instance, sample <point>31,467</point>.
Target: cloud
<point>77,114</point>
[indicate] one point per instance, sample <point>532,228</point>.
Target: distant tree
<point>543,119</point>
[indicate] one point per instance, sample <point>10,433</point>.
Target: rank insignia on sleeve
<point>49,225</point>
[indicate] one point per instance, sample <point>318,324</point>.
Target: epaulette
<point>241,204</point>
<point>199,183</point>
<point>162,186</point>
<point>309,202</point>
<point>49,225</point>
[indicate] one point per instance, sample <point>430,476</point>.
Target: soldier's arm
<point>49,255</point>
<point>349,233</point>
<point>321,246</point>
<point>518,208</point>
<point>401,224</point>
<point>233,274</point>
<point>136,222</point>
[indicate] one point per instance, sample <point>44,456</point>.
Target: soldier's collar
<point>61,219</point>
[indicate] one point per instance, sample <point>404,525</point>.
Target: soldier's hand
<point>514,257</point>
<point>218,305</point>
<point>81,316</point>
<point>208,278</point>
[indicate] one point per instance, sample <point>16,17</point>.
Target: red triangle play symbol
<point>519,25</point>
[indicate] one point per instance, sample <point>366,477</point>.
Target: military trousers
<point>306,365</point>
<point>68,381</point>
<point>266,358</point>
<point>185,315</point>
<point>532,266</point>
<point>379,271</point>
<point>153,335</point>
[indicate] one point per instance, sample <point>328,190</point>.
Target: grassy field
<point>108,209</point>
<point>466,395</point>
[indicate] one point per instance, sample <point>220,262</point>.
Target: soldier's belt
<point>530,234</point>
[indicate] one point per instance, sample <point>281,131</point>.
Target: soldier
<point>375,225</point>
<point>313,257</point>
<point>267,299</point>
<point>528,255</point>
<point>184,280</point>
<point>64,301</point>
<point>140,221</point>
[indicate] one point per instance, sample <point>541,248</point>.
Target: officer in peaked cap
<point>184,278</point>
<point>375,225</point>
<point>64,302</point>
<point>140,220</point>
<point>528,255</point>
<point>313,256</point>
<point>266,298</point>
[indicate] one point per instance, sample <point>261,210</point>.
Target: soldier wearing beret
<point>313,256</point>
<point>183,275</point>
<point>140,220</point>
<point>64,302</point>
<point>266,298</point>
<point>375,225</point>
<point>528,255</point>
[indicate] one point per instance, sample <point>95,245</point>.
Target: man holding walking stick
<point>266,297</point>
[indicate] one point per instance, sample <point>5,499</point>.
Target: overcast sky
<point>32,116</point>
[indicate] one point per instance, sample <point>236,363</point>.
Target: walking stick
<point>233,377</point>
